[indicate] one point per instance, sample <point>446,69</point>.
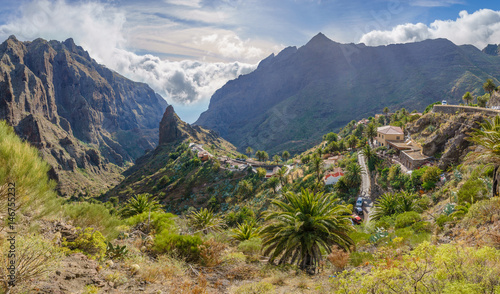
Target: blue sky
<point>186,49</point>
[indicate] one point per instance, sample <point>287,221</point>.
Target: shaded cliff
<point>87,121</point>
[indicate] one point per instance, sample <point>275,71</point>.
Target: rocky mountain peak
<point>171,127</point>
<point>492,49</point>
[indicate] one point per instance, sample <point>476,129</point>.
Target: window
<point>397,138</point>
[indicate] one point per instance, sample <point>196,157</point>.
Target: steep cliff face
<point>88,121</point>
<point>295,97</point>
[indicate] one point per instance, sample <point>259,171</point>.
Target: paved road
<point>365,187</point>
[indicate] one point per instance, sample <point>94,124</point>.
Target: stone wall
<point>453,109</point>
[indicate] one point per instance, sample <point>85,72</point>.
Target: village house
<point>331,161</point>
<point>333,177</point>
<point>410,153</point>
<point>388,133</point>
<point>204,155</point>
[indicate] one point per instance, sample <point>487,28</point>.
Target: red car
<point>356,219</point>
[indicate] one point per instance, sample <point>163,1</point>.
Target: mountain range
<point>295,97</point>
<point>88,122</point>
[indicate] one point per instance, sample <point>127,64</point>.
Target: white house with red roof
<point>333,176</point>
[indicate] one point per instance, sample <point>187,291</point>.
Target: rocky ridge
<point>87,121</point>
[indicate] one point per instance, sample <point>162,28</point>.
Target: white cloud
<point>230,45</point>
<point>479,29</point>
<point>98,28</point>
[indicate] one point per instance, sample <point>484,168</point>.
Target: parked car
<point>359,202</point>
<point>444,102</point>
<point>358,210</point>
<point>356,219</point>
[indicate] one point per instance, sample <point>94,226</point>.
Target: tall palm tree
<point>285,155</point>
<point>371,132</point>
<point>300,228</point>
<point>317,167</point>
<point>276,158</point>
<point>488,137</point>
<point>489,86</point>
<point>249,151</point>
<point>468,98</point>
<point>281,175</point>
<point>353,174</point>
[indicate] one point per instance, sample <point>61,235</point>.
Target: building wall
<point>382,138</point>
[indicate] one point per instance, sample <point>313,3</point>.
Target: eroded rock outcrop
<point>86,120</point>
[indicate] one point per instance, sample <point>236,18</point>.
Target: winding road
<point>365,188</point>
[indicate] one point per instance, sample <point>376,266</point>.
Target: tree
<point>141,203</point>
<point>261,155</point>
<point>371,132</point>
<point>304,226</point>
<point>261,172</point>
<point>353,175</point>
<point>305,159</point>
<point>285,155</point>
<point>245,188</point>
<point>488,136</point>
<point>386,111</point>
<point>393,203</point>
<point>317,167</point>
<point>249,151</point>
<point>273,183</point>
<point>352,141</point>
<point>281,173</point>
<point>330,137</point>
<point>468,98</point>
<point>483,100</point>
<point>276,158</point>
<point>489,86</point>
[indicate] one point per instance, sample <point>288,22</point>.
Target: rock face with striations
<point>173,129</point>
<point>292,99</point>
<point>87,121</point>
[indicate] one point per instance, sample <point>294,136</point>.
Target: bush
<point>90,242</point>
<point>35,258</point>
<point>159,220</point>
<point>472,190</point>
<point>422,227</point>
<point>245,214</point>
<point>95,215</point>
<point>407,219</point>
<point>164,181</point>
<point>251,247</point>
<point>211,252</point>
<point>182,246</point>
<point>442,220</point>
<point>358,258</point>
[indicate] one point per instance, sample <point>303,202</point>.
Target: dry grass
<point>162,270</point>
<point>211,252</point>
<point>338,258</point>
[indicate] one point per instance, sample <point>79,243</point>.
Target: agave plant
<point>115,252</point>
<point>139,204</point>
<point>304,226</point>
<point>245,231</point>
<point>206,221</point>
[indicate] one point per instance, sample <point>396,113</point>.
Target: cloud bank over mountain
<point>99,28</point>
<point>479,29</point>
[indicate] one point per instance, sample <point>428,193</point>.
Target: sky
<point>187,49</point>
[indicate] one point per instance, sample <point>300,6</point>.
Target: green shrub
<point>245,214</point>
<point>422,227</point>
<point>141,203</point>
<point>357,258</point>
<point>95,215</point>
<point>90,242</point>
<point>255,288</point>
<point>21,165</point>
<point>182,246</point>
<point>164,181</point>
<point>442,220</point>
<point>472,190</point>
<point>251,246</point>
<point>407,219</point>
<point>159,220</point>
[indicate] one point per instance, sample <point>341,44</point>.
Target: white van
<point>444,102</point>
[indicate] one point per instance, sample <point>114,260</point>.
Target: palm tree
<point>249,151</point>
<point>303,226</point>
<point>206,221</point>
<point>281,175</point>
<point>386,112</point>
<point>273,183</point>
<point>371,132</point>
<point>285,155</point>
<point>489,86</point>
<point>317,167</point>
<point>245,231</point>
<point>141,203</point>
<point>387,204</point>
<point>353,174</point>
<point>352,142</point>
<point>468,98</point>
<point>488,137</point>
<point>276,158</point>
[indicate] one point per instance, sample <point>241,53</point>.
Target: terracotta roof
<point>390,130</point>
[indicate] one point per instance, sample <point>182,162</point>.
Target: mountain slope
<point>295,97</point>
<point>87,121</point>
